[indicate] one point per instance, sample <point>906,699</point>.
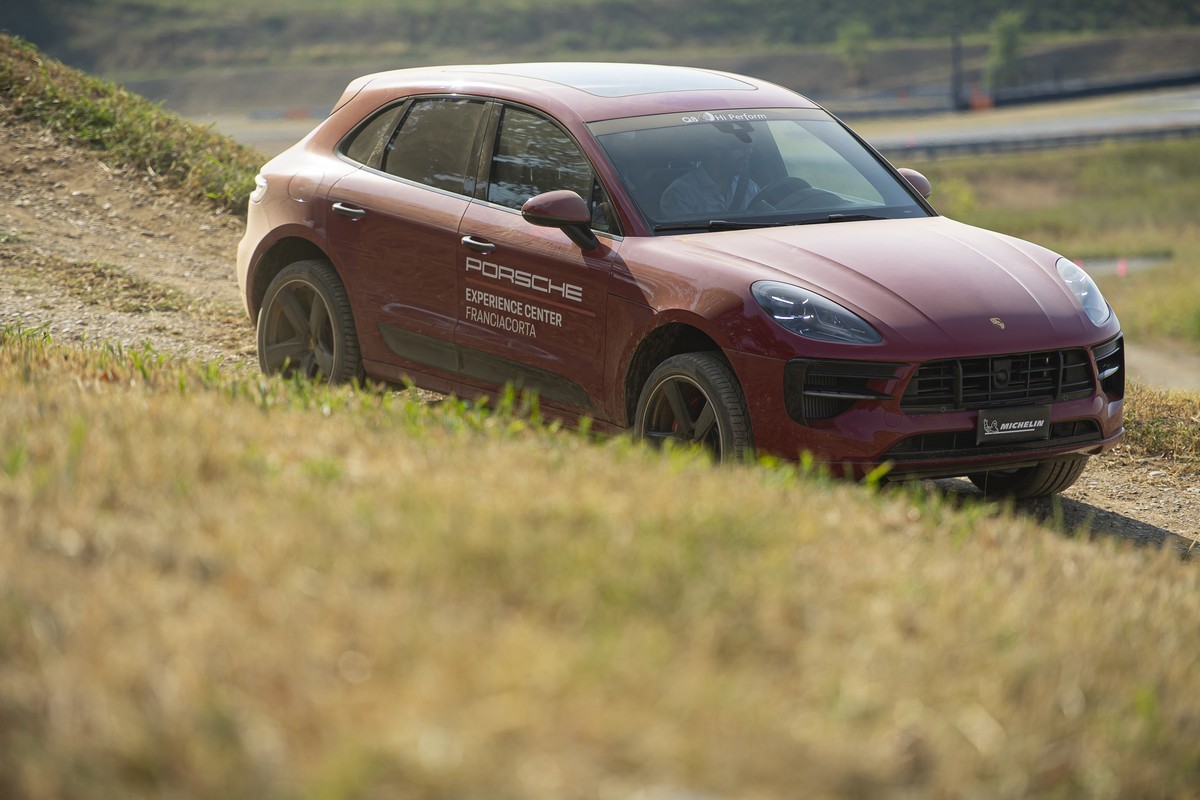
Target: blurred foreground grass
<point>231,586</point>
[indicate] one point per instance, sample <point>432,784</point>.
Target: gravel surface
<point>99,254</point>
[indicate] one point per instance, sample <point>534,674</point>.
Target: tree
<point>1004,57</point>
<point>854,46</point>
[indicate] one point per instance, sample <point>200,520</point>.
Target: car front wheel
<point>306,325</point>
<point>695,399</point>
<point>1046,478</point>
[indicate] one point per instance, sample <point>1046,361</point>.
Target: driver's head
<point>725,156</point>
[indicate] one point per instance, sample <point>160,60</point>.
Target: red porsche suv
<point>687,254</point>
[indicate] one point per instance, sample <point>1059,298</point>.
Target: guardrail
<point>971,147</point>
<point>1056,91</point>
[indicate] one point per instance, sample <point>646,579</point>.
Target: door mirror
<point>917,181</point>
<point>565,210</point>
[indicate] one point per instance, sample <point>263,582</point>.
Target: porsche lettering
<point>525,280</point>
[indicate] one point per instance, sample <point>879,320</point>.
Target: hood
<point>928,285</point>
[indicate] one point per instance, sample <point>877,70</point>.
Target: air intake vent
<point>1110,366</point>
<point>816,390</point>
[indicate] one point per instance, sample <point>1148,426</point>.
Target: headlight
<point>811,315</point>
<point>1085,290</point>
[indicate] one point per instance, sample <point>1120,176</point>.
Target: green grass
<point>231,586</point>
<point>1108,201</point>
<point>131,131</point>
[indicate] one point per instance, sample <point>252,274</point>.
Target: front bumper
<point>921,418</point>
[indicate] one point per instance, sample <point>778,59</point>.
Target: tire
<point>1046,478</point>
<point>695,399</point>
<point>306,325</point>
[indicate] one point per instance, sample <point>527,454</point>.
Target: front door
<point>531,305</point>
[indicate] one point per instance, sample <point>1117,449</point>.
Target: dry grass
<point>237,587</point>
<point>98,283</point>
<point>1163,423</point>
<point>113,287</point>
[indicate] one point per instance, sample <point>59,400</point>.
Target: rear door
<point>531,305</point>
<point>394,227</point>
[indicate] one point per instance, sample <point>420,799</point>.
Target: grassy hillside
<point>131,131</point>
<point>230,587</point>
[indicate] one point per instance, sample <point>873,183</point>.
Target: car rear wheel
<point>695,399</point>
<point>1049,477</point>
<point>306,325</point>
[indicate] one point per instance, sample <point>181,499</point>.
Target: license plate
<point>1013,425</point>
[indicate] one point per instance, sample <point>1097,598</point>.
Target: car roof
<point>591,91</point>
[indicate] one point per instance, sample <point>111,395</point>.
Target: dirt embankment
<point>93,253</point>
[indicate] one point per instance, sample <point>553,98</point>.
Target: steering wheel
<point>776,193</point>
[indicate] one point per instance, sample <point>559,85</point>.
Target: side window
<point>532,156</point>
<point>435,144</point>
<point>366,145</point>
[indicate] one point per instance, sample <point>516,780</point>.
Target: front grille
<point>1110,366</point>
<point>992,381</point>
<point>948,444</point>
<point>816,390</point>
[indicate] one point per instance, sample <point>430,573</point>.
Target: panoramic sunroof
<point>622,80</point>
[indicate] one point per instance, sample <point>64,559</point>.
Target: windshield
<point>734,169</point>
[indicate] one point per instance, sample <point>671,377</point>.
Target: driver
<point>713,185</point>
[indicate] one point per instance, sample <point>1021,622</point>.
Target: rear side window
<point>368,144</point>
<point>435,145</point>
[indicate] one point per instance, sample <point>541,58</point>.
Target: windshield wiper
<point>682,226</point>
<point>737,225</point>
<point>835,217</point>
<point>718,225</point>
<point>849,218</point>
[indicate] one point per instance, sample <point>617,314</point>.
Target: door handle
<point>349,211</point>
<point>479,245</point>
